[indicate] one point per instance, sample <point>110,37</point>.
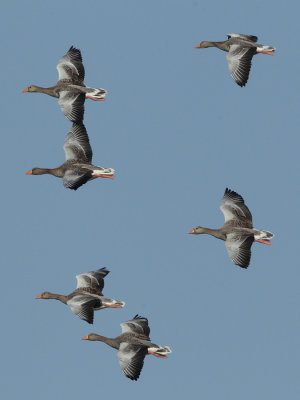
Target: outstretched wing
<point>131,359</point>
<point>83,306</point>
<point>92,279</point>
<point>137,325</point>
<point>239,62</point>
<point>70,65</point>
<point>77,145</point>
<point>234,208</point>
<point>239,248</point>
<point>74,179</point>
<point>242,36</point>
<point>72,105</point>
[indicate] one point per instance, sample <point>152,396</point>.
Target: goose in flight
<point>70,89</point>
<point>78,168</point>
<point>133,345</point>
<point>240,48</point>
<point>237,232</point>
<point>87,297</point>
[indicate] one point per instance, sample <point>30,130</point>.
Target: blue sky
<point>177,130</point>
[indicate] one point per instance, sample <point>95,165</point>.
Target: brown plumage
<point>70,89</point>
<point>132,345</point>
<point>237,231</point>
<point>78,168</point>
<point>87,297</point>
<point>240,48</point>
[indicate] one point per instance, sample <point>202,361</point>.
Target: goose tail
<point>96,94</point>
<point>265,49</point>
<point>112,303</point>
<point>263,237</point>
<point>159,351</point>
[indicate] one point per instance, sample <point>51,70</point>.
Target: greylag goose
<point>87,297</point>
<point>70,89</point>
<point>241,48</point>
<point>132,345</point>
<point>237,232</point>
<point>77,169</point>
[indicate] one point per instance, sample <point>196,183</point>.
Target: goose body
<point>237,231</point>
<point>133,345</point>
<point>87,297</point>
<point>78,168</point>
<point>70,89</point>
<point>240,48</point>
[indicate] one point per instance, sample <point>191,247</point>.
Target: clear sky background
<point>178,131</point>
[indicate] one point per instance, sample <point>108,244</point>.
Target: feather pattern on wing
<point>74,179</point>
<point>70,65</point>
<point>83,306</point>
<point>131,359</point>
<point>239,248</point>
<point>234,208</point>
<point>239,62</point>
<point>72,105</point>
<point>77,145</point>
<point>242,36</point>
<point>92,279</point>
<point>138,325</point>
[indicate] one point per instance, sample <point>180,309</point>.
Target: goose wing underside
<point>70,66</point>
<point>239,249</point>
<point>83,306</point>
<point>77,145</point>
<point>92,279</point>
<point>131,359</point>
<point>239,62</point>
<point>234,208</point>
<point>72,105</point>
<point>75,179</point>
<point>138,325</point>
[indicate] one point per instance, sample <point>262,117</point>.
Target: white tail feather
<point>103,171</point>
<point>160,350</point>
<point>265,48</point>
<point>96,93</point>
<point>263,235</point>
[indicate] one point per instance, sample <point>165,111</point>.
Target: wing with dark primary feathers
<point>77,144</point>
<point>234,208</point>
<point>83,306</point>
<point>239,248</point>
<point>131,359</point>
<point>70,66</point>
<point>74,179</point>
<point>92,279</point>
<point>239,62</point>
<point>72,105</point>
<point>138,325</point>
<point>242,36</point>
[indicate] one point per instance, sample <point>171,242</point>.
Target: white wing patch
<point>66,70</point>
<point>86,280</point>
<point>72,105</point>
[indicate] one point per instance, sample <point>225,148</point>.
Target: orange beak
<point>25,90</point>
<point>192,231</point>
<point>197,47</point>
<point>39,296</point>
<point>85,337</point>
<point>29,172</point>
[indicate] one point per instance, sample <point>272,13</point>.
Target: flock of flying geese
<point>238,233</point>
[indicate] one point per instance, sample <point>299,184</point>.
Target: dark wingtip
<point>104,269</point>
